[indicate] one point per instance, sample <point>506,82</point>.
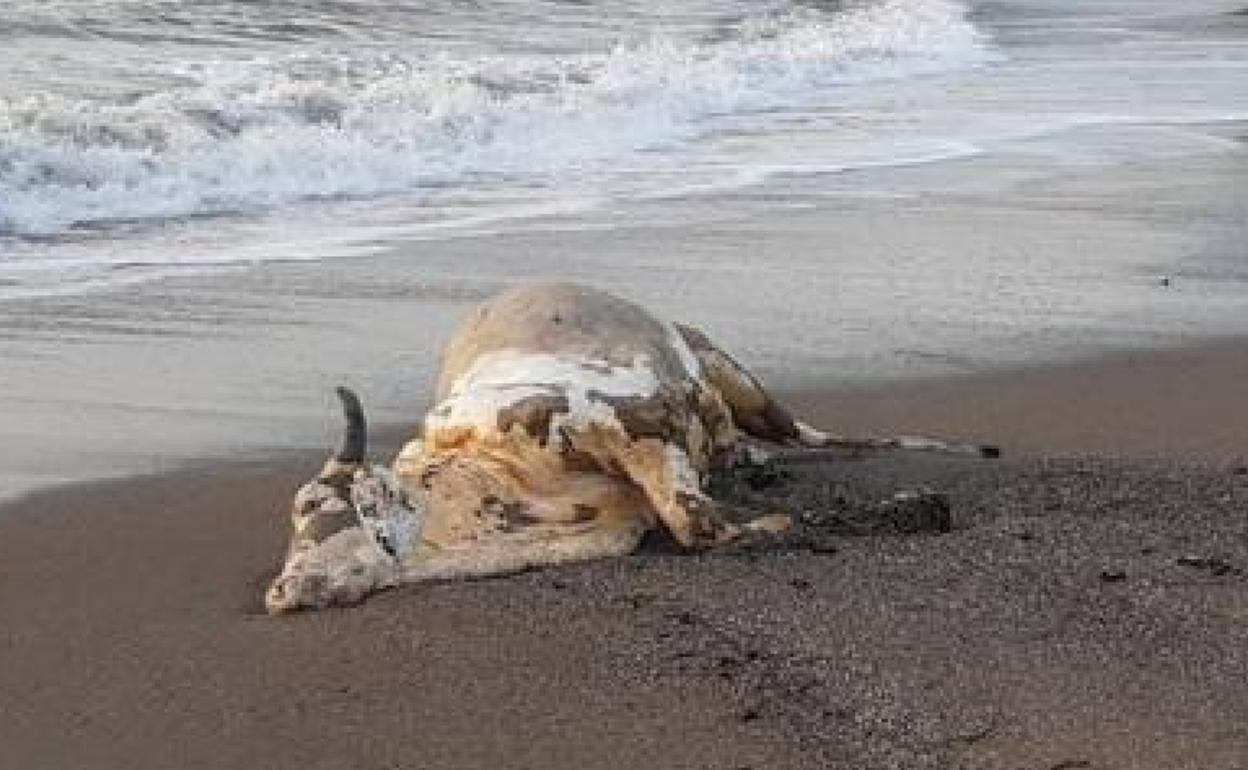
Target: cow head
<point>353,528</point>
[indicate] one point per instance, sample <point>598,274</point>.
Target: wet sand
<point>1082,613</point>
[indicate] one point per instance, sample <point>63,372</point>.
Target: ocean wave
<point>245,136</point>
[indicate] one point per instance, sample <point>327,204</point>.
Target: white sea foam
<point>246,135</point>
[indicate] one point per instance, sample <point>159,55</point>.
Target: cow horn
<point>355,441</point>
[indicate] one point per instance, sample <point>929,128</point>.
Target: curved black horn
<point>355,441</point>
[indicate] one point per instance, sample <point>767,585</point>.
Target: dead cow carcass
<point>567,422</point>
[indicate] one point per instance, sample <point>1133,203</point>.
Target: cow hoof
<point>771,524</point>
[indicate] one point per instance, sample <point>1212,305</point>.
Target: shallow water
<point>125,125</point>
<point>145,138</point>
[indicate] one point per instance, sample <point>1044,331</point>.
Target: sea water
<point>140,138</point>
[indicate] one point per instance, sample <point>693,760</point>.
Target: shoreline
<point>1092,405</point>
<point>989,263</point>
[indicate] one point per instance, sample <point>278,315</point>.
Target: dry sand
<point>1082,613</point>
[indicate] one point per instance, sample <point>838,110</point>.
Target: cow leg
<point>760,416</point>
<point>669,479</point>
<point>753,409</point>
<point>813,439</point>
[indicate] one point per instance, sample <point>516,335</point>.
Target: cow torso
<point>549,398</point>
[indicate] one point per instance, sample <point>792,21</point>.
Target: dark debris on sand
<point>932,612</point>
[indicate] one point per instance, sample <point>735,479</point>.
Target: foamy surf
<point>246,135</point>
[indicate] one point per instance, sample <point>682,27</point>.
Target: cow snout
<point>295,592</point>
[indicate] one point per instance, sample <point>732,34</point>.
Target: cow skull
<point>353,527</point>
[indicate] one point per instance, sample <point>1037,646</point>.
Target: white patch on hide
<point>681,474</point>
<point>811,436</point>
<point>386,513</point>
<point>688,359</point>
<point>504,378</point>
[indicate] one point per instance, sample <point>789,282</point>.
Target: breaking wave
<point>241,136</point>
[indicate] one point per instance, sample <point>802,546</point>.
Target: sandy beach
<point>1082,613</point>
<point>912,255</point>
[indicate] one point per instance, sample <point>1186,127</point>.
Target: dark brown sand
<point>1084,613</point>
